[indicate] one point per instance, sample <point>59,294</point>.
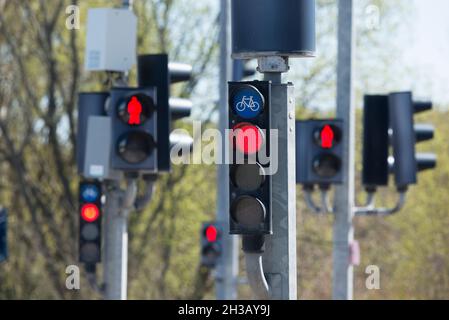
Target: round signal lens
<point>327,137</point>
<point>211,233</point>
<point>90,212</point>
<point>248,177</point>
<point>90,232</point>
<point>248,138</point>
<point>327,165</point>
<point>135,110</point>
<point>248,211</point>
<point>135,147</point>
<point>90,192</point>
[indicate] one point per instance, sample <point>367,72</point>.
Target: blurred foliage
<point>410,248</point>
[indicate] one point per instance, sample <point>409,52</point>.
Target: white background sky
<point>429,50</point>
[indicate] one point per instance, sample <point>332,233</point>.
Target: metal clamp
<point>372,211</point>
<point>325,206</point>
<point>273,64</point>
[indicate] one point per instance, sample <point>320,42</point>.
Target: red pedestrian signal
<point>319,152</point>
<point>327,137</point>
<point>134,110</point>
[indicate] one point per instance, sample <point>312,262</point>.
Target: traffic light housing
<point>156,71</point>
<point>389,121</point>
<point>133,114</point>
<point>249,137</point>
<point>319,152</point>
<point>3,234</point>
<point>90,217</point>
<point>405,134</point>
<point>376,123</point>
<point>211,244</point>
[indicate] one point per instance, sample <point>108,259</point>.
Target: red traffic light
<point>248,138</point>
<point>136,109</point>
<point>327,137</point>
<point>90,212</point>
<point>211,233</point>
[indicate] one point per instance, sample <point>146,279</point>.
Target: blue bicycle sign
<point>248,102</point>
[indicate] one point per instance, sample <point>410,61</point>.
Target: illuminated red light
<point>134,110</point>
<point>211,233</point>
<point>248,138</point>
<point>327,137</point>
<point>90,212</point>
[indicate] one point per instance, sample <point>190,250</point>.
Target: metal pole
<point>116,230</point>
<point>228,267</point>
<point>279,258</point>
<point>118,207</point>
<point>344,197</point>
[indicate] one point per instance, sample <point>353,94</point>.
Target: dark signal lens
<point>135,147</point>
<point>90,252</point>
<point>90,212</point>
<point>248,211</point>
<point>248,138</point>
<point>248,177</point>
<point>90,232</point>
<point>327,165</point>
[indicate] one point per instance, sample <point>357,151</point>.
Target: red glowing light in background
<point>327,137</point>
<point>211,233</point>
<point>134,110</point>
<point>90,212</point>
<point>248,138</point>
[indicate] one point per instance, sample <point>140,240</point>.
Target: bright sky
<point>428,53</point>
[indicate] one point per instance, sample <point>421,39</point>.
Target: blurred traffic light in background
<point>250,185</point>
<point>134,129</point>
<point>405,135</point>
<point>3,234</point>
<point>90,214</point>
<point>211,244</point>
<point>319,152</point>
<point>389,122</point>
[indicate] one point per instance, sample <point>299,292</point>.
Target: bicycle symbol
<point>247,102</point>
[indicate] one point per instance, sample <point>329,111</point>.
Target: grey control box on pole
<point>89,104</point>
<point>262,28</point>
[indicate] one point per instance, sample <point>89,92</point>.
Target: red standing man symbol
<point>134,111</point>
<point>327,137</point>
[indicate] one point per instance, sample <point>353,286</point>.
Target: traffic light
<point>3,234</point>
<point>211,244</point>
<point>250,183</point>
<point>90,194</point>
<point>156,71</point>
<point>134,129</point>
<point>404,136</point>
<point>319,152</point>
<point>375,141</point>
